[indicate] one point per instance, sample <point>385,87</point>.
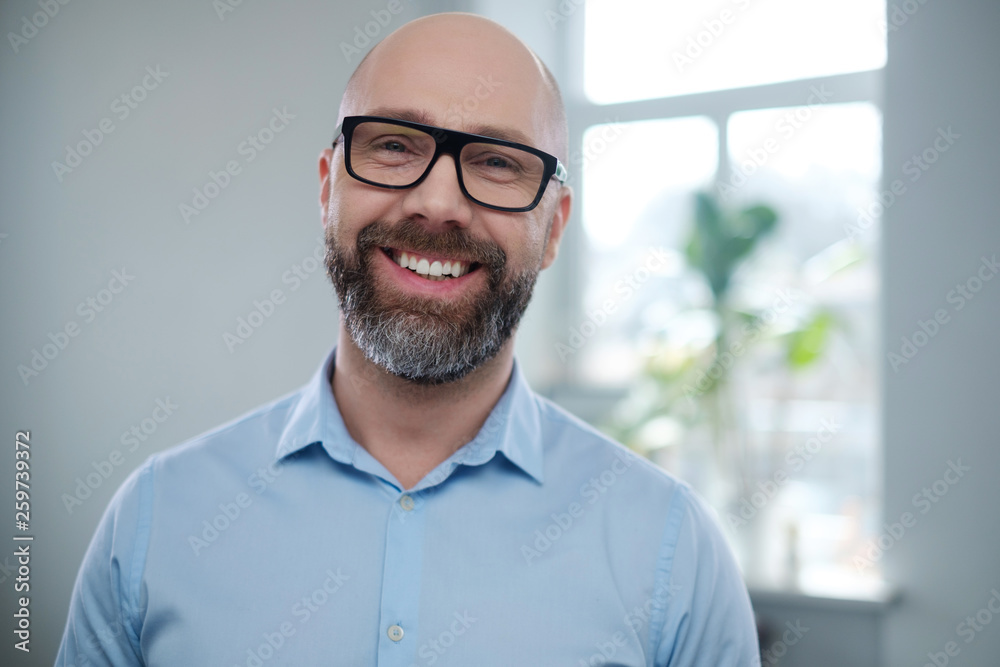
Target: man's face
<point>425,328</point>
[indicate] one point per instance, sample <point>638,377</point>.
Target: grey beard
<point>414,340</point>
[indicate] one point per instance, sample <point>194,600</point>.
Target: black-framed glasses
<point>397,154</point>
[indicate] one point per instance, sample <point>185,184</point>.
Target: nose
<point>439,199</point>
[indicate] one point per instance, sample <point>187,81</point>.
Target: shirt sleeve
<point>104,620</point>
<point>707,619</point>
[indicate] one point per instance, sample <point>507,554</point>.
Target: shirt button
<point>395,633</point>
<point>406,502</point>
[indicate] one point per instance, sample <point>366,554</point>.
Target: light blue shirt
<point>277,540</point>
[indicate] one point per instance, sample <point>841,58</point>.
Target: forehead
<point>484,84</point>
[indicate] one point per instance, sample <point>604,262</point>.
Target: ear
<point>325,167</point>
<point>560,218</point>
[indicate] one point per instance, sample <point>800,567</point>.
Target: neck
<point>411,428</point>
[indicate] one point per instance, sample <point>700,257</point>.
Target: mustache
<point>409,235</point>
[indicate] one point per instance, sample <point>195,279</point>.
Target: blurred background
<point>778,281</point>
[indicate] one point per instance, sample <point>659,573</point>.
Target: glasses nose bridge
<point>448,144</point>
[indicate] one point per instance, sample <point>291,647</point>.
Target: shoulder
<point>194,476</point>
<point>640,503</point>
<point>572,445</point>
<point>655,530</point>
<point>641,487</point>
<point>212,456</point>
<point>244,442</point>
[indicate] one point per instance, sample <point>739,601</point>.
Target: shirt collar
<point>513,428</point>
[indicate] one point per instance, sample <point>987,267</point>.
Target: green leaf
<point>721,240</point>
<point>707,214</point>
<point>759,220</point>
<point>808,344</point>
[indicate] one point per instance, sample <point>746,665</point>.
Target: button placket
<point>402,570</point>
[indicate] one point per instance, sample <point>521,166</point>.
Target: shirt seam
<point>140,549</point>
<point>664,568</point>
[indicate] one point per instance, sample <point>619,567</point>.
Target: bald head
<point>463,72</point>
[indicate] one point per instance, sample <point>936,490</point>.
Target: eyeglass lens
<point>390,154</point>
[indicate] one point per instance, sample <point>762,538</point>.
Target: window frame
<point>719,106</point>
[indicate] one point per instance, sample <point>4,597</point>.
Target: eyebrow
<point>484,130</point>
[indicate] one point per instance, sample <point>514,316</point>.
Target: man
<point>416,503</point>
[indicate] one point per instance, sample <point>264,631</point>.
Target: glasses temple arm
<point>561,174</point>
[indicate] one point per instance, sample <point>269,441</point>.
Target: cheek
<point>354,205</point>
<point>522,239</point>
<point>538,233</point>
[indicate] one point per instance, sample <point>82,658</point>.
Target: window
<point>640,49</point>
<point>761,391</point>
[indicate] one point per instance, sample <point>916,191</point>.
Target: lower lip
<point>413,281</point>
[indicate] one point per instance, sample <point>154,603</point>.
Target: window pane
<point>808,290</point>
<point>641,49</point>
<point>638,179</point>
<point>819,167</point>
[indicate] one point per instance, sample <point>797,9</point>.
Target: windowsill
<point>874,599</point>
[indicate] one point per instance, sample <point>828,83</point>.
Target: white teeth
<point>436,270</point>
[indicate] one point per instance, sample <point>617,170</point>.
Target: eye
<point>394,146</point>
<point>497,163</point>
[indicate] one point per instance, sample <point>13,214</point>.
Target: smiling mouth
<point>430,268</point>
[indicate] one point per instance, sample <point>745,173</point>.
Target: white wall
<point>161,337</point>
<point>943,405</point>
